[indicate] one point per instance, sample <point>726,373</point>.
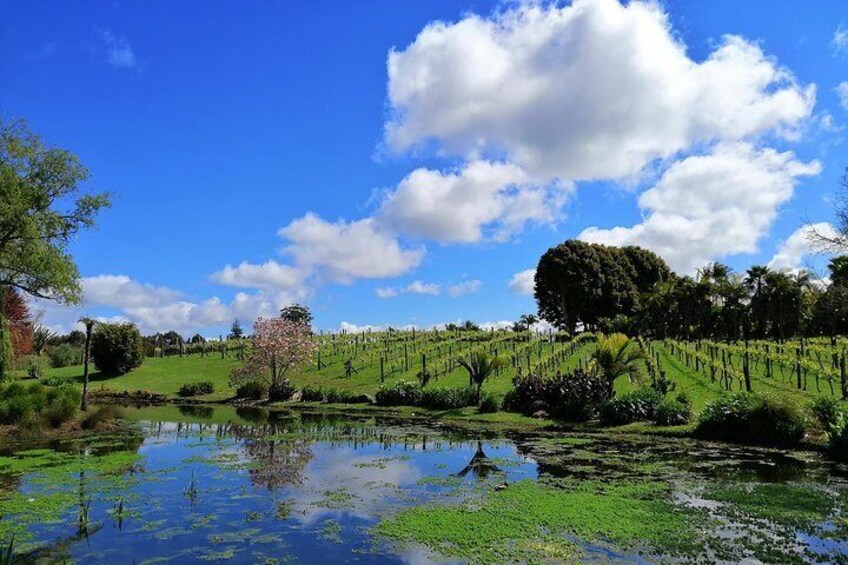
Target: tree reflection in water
<point>480,465</point>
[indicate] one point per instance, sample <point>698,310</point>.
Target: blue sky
<point>283,141</point>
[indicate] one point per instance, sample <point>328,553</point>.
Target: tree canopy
<point>42,207</point>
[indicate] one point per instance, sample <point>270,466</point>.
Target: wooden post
<point>382,370</point>
<point>746,370</point>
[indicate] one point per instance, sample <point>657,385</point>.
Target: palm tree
<point>89,326</point>
<point>480,367</point>
<point>618,355</point>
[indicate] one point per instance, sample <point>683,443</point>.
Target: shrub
<point>197,389</point>
<point>674,411</point>
<point>573,396</point>
<point>399,394</point>
<point>35,366</point>
<point>311,393</point>
<point>252,390</point>
<point>489,403</point>
<point>640,404</point>
<point>838,442</point>
<point>64,355</point>
<point>100,416</point>
<point>753,418</point>
<point>56,380</point>
<point>117,348</point>
<point>53,406</point>
<point>282,390</point>
<point>447,398</point>
<point>828,413</point>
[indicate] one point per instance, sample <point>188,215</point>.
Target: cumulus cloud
<point>708,206</point>
<point>345,251</point>
<point>119,53</point>
<point>420,287</point>
<point>268,275</point>
<point>120,291</point>
<point>386,292</point>
<point>157,309</point>
<point>523,282</point>
<point>456,206</point>
<point>465,287</point>
<point>800,245</point>
<point>842,93</point>
<point>590,90</point>
<point>839,42</point>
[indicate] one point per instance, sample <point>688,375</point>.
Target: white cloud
<point>345,251</point>
<point>120,291</point>
<point>523,282</point>
<point>119,53</point>
<point>465,287</point>
<point>385,292</point>
<point>591,90</point>
<point>839,42</point>
<point>799,245</point>
<point>496,325</point>
<point>457,206</point>
<point>420,287</point>
<point>708,206</point>
<point>268,275</point>
<point>158,308</point>
<point>842,93</point>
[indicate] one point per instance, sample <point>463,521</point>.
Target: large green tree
<point>579,283</point>
<point>42,207</point>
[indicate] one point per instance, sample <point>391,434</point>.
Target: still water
<point>216,484</point>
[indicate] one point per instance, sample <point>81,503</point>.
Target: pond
<point>203,484</point>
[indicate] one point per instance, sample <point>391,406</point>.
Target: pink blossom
<point>278,347</point>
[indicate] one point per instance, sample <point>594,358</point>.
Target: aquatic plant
<point>7,556</point>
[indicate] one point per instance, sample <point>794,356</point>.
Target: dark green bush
<point>55,380</point>
<point>252,390</point>
<point>572,396</point>
<point>838,442</point>
<point>637,405</point>
<point>399,394</point>
<point>49,405</point>
<point>197,389</point>
<point>753,418</point>
<point>411,394</point>
<point>447,398</point>
<point>674,411</point>
<point>117,348</point>
<point>64,355</point>
<point>311,393</point>
<point>828,413</point>
<point>489,403</point>
<point>281,391</point>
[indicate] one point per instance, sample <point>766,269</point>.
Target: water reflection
<point>242,485</point>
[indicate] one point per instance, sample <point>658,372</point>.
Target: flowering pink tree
<point>278,347</point>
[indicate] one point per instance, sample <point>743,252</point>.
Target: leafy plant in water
<point>8,557</point>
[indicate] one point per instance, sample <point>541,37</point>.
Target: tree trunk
<point>85,364</point>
